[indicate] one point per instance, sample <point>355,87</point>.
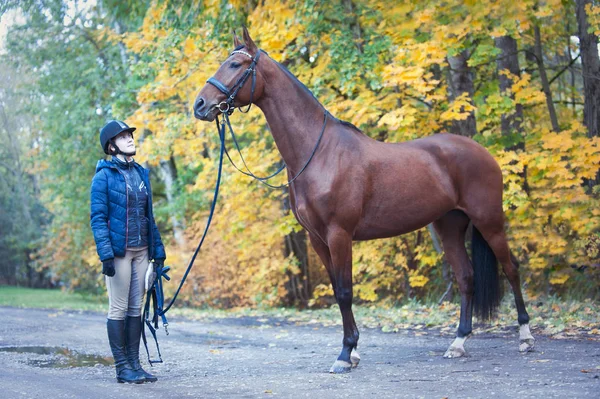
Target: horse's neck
<point>294,116</point>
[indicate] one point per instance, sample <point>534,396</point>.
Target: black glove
<point>108,267</point>
<point>159,263</point>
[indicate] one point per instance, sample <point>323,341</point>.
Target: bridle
<point>226,108</point>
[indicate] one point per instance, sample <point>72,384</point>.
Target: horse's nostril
<point>198,108</point>
<point>199,104</point>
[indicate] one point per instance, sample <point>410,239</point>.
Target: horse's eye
<point>235,65</point>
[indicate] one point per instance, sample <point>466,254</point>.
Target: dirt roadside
<point>262,358</point>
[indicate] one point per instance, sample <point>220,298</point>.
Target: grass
<point>550,316</point>
<point>21,297</point>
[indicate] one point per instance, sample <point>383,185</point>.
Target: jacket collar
<point>123,164</point>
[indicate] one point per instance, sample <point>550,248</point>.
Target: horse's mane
<point>295,79</point>
<point>303,86</point>
<point>350,125</point>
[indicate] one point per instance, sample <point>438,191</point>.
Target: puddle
<point>57,357</point>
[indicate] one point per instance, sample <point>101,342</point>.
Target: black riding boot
<point>116,339</point>
<point>133,331</point>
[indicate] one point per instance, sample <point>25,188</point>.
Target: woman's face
<point>124,141</point>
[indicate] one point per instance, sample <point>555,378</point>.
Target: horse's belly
<point>370,228</point>
<point>393,213</point>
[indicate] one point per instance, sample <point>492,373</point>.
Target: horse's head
<point>235,84</point>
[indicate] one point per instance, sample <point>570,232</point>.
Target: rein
<point>155,296</point>
<point>263,179</point>
<point>226,108</point>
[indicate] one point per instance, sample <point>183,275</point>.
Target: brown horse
<point>356,188</point>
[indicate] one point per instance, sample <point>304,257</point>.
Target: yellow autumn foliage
<point>403,96</point>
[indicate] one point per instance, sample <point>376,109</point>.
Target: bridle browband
<point>227,105</point>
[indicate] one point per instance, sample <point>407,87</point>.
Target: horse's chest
<point>314,210</point>
<point>303,210</point>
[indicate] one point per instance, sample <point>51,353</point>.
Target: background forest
<point>522,78</point>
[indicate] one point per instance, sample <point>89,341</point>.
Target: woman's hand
<point>108,267</point>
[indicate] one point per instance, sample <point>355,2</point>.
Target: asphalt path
<point>263,358</point>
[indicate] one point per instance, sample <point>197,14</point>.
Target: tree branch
<point>564,69</point>
<point>9,168</point>
<point>499,58</point>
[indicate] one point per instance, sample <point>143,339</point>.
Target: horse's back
<point>413,183</point>
<point>462,157</point>
<point>450,145</point>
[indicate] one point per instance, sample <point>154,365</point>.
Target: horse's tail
<point>487,288</point>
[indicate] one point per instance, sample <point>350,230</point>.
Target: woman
<point>126,238</point>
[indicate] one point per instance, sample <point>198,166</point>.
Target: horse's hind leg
<point>451,228</point>
<point>492,230</point>
<point>526,340</point>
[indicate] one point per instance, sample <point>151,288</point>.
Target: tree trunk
<point>544,78</point>
<point>25,229</point>
<point>169,175</point>
<point>590,65</point>
<point>122,49</point>
<point>572,90</point>
<point>588,45</point>
<point>446,269</point>
<point>511,123</point>
<point>19,173</point>
<point>355,25</point>
<point>509,61</point>
<point>298,287</point>
<point>461,81</point>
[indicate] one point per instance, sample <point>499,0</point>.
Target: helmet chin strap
<point>127,154</point>
<point>118,151</point>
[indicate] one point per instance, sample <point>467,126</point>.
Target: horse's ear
<point>236,40</point>
<point>249,43</point>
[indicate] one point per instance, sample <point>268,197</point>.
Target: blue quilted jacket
<point>108,216</point>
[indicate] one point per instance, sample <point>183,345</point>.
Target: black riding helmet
<point>110,131</point>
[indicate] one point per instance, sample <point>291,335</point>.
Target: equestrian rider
<point>126,239</point>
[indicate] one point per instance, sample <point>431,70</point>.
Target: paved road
<point>264,358</point>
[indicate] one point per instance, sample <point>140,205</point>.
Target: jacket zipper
<point>148,215</point>
<point>151,235</point>
<point>137,211</point>
<point>126,207</point>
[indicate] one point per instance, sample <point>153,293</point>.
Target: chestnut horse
<point>357,188</point>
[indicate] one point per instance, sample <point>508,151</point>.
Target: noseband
<point>227,105</point>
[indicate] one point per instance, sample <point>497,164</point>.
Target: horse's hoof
<point>454,352</point>
<point>526,345</point>
<point>354,358</point>
<point>340,367</point>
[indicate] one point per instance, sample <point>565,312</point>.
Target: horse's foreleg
<point>323,251</point>
<point>452,228</point>
<point>340,248</point>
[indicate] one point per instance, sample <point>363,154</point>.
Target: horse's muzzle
<point>205,112</point>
